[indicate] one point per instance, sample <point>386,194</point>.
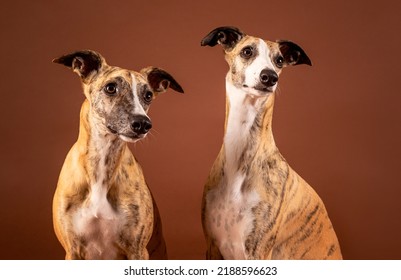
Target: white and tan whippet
<point>254,205</point>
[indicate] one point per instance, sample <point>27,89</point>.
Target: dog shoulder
<point>216,172</point>
<point>73,171</point>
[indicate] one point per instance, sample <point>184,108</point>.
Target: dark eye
<point>111,88</point>
<point>247,52</point>
<point>279,61</point>
<point>148,96</point>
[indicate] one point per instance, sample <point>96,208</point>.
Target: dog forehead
<point>128,79</point>
<point>273,46</point>
<point>248,40</point>
<point>113,72</point>
<point>137,78</point>
<point>257,42</point>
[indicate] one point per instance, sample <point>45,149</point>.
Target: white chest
<point>96,222</point>
<point>229,217</point>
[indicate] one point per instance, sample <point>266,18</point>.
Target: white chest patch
<point>229,217</point>
<point>96,221</point>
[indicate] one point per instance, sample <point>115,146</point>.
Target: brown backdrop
<point>337,123</point>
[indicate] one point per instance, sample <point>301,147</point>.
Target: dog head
<point>119,98</point>
<point>255,64</point>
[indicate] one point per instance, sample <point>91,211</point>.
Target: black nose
<point>268,77</point>
<point>141,124</point>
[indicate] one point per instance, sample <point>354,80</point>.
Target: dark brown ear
<point>227,36</point>
<point>159,80</point>
<point>84,63</point>
<point>293,54</point>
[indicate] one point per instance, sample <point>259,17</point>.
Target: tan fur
<point>102,207</point>
<point>127,188</point>
<point>288,219</point>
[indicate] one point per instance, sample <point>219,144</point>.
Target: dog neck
<point>248,127</point>
<point>101,150</point>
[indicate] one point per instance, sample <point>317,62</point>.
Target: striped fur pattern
<point>102,207</point>
<point>255,206</point>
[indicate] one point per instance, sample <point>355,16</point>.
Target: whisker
<point>278,90</point>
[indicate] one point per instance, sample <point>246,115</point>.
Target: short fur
<point>255,206</point>
<point>102,207</point>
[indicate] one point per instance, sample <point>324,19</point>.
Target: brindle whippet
<point>102,207</point>
<point>254,205</point>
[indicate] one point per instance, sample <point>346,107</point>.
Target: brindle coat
<point>102,207</point>
<point>255,206</point>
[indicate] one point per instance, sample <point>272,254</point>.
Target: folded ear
<point>293,54</point>
<point>227,36</point>
<point>84,63</point>
<point>159,80</point>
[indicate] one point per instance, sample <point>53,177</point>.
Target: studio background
<point>337,123</point>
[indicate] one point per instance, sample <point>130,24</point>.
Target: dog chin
<point>260,91</point>
<point>131,139</point>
